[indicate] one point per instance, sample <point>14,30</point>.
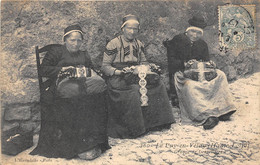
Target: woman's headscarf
<point>197,22</point>
<point>130,18</point>
<point>72,28</point>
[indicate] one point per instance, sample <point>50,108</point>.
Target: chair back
<point>43,85</point>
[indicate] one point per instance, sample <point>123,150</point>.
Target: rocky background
<point>26,24</point>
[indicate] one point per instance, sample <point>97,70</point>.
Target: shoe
<point>91,154</point>
<point>210,123</point>
<point>226,117</point>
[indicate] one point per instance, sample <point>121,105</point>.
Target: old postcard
<point>130,82</point>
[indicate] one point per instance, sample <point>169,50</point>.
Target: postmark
<point>237,28</point>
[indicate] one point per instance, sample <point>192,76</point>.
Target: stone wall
<point>27,24</point>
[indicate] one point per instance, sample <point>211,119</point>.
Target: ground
<point>231,142</point>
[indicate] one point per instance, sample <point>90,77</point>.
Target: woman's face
<point>194,34</point>
<point>130,30</point>
<point>73,41</point>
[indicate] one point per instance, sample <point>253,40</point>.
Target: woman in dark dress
<point>73,115</point>
<point>202,89</point>
<point>137,103</point>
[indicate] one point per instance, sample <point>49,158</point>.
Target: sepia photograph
<point>143,82</point>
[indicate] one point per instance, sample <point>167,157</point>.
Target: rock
<point>219,158</point>
<point>2,114</point>
<point>36,116</point>
<point>169,157</point>
<point>227,157</point>
<point>30,71</point>
<point>244,67</point>
<point>248,153</point>
<point>36,108</point>
<point>230,72</point>
<point>8,126</point>
<point>255,156</point>
<point>37,129</point>
<point>155,55</point>
<point>132,156</point>
<point>226,161</point>
<point>28,92</point>
<point>142,157</point>
<point>201,159</point>
<point>18,113</point>
<point>36,112</point>
<point>29,126</point>
<point>156,159</point>
<point>211,154</point>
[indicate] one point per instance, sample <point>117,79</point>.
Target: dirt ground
<point>231,142</point>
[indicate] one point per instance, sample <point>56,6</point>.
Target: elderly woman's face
<point>73,41</point>
<point>130,30</point>
<point>194,34</point>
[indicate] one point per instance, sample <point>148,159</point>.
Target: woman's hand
<point>213,63</point>
<point>66,68</point>
<point>155,68</point>
<point>68,71</point>
<point>118,72</point>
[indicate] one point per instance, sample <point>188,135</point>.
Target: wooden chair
<point>172,91</point>
<point>43,83</point>
<point>167,45</point>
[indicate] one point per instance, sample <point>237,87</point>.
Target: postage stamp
<point>237,29</point>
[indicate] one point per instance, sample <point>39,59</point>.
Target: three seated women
<point>78,119</point>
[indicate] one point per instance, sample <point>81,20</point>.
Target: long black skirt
<point>72,126</point>
<point>126,117</point>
